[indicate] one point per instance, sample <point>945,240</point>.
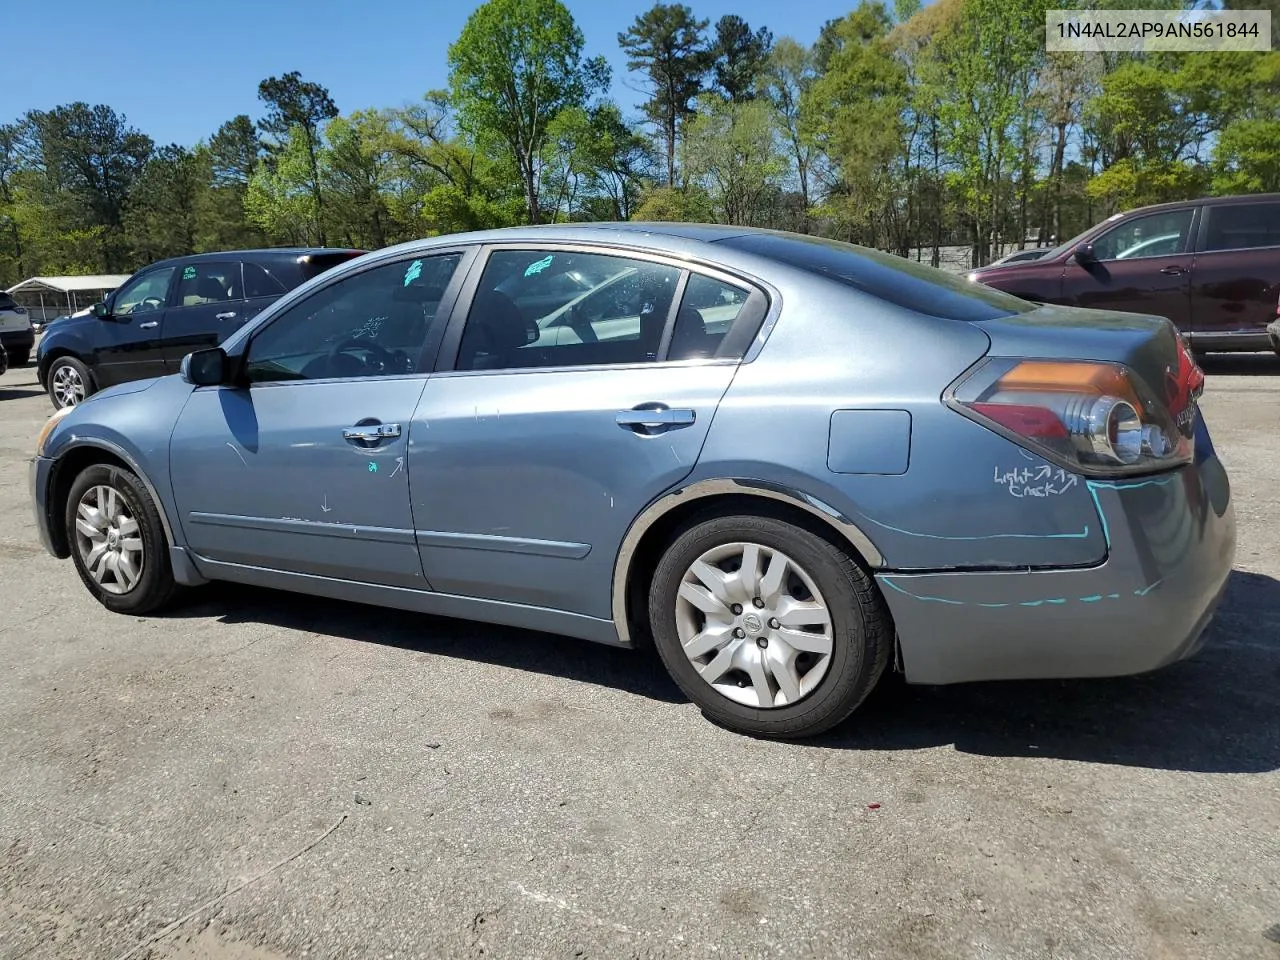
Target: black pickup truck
<point>167,310</point>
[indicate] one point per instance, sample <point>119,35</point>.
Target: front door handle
<point>149,325</point>
<point>363,433</point>
<point>1172,271</point>
<point>229,315</point>
<point>654,417</point>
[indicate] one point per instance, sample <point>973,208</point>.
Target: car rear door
<point>1143,265</point>
<point>1235,282</point>
<point>206,298</point>
<point>535,446</point>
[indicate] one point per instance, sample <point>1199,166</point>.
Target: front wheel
<point>770,629</point>
<point>69,382</point>
<point>117,540</point>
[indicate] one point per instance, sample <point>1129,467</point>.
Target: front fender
<point>132,422</point>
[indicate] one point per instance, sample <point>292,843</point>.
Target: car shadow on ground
<point>9,393</point>
<point>1214,713</point>
<point>1241,364</point>
<point>635,672</point>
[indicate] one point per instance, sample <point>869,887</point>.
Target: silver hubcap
<point>109,540</point>
<point>68,388</point>
<point>754,625</point>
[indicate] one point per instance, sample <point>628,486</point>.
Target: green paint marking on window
<point>413,273</point>
<point>539,266</point>
<point>188,273</point>
<point>373,466</point>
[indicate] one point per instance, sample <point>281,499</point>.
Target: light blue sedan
<point>790,464</point>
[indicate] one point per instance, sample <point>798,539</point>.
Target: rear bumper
<point>1171,543</point>
<point>1273,332</point>
<point>1233,341</point>
<point>18,341</point>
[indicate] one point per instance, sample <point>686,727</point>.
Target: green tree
<point>162,219</point>
<point>787,77</point>
<point>231,156</point>
<point>301,106</point>
<point>739,57</point>
<point>517,64</point>
<point>89,158</point>
<point>282,199</point>
<point>731,151</point>
<point>854,113</point>
<point>666,44</point>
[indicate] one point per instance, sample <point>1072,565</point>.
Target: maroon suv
<point>1212,266</point>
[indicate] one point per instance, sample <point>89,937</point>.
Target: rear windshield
<point>911,285</point>
<point>6,302</point>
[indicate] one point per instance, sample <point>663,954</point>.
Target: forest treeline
<point>902,127</point>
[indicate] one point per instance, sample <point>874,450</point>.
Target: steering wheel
<point>385,359</point>
<point>149,303</point>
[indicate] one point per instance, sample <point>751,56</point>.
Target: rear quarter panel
<point>966,498</point>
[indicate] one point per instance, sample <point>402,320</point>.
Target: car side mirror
<point>205,368</point>
<point>1086,254</point>
<point>100,310</point>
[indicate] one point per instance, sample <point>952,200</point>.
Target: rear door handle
<point>1172,271</point>
<point>149,325</point>
<point>655,417</point>
<point>371,432</point>
<point>230,315</point>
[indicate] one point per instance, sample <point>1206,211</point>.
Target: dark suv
<point>1212,266</point>
<point>167,310</point>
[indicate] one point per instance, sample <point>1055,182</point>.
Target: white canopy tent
<point>54,296</point>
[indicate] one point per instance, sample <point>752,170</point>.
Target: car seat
<point>495,330</point>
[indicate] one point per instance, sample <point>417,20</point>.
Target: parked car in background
<point>1212,266</point>
<point>4,361</point>
<point>790,462</point>
<point>164,311</point>
<point>16,335</point>
<point>1018,256</point>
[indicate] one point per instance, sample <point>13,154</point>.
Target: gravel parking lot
<point>258,776</point>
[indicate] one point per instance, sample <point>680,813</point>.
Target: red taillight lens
<point>1094,418</point>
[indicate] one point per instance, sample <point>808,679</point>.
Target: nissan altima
<point>788,464</point>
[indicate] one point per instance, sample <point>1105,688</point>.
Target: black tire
<point>155,585</point>
<point>861,632</point>
<point>19,359</point>
<point>80,370</point>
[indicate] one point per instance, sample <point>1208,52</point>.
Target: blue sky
<point>177,71</point>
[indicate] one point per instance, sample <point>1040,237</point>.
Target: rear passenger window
<point>538,308</point>
<point>1243,226</point>
<point>259,283</point>
<point>707,314</point>
<point>208,283</point>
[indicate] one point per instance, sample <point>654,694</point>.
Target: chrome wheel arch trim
<point>120,453</point>
<point>859,543</point>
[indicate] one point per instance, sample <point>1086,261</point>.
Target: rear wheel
<point>770,629</point>
<point>117,540</point>
<point>69,382</point>
<point>19,359</point>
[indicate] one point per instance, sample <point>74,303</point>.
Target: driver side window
<point>146,293</point>
<point>371,324</point>
<point>1156,235</point>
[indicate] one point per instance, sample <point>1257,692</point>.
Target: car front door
<point>1142,265</point>
<point>301,466</point>
<point>206,300</point>
<point>534,449</point>
<point>127,342</point>
<point>1235,283</point>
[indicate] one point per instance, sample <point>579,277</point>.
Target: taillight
<point>1091,417</point>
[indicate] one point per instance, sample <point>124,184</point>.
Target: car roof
<point>1203,201</point>
<point>266,254</point>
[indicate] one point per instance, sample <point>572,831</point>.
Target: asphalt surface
<point>258,776</point>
